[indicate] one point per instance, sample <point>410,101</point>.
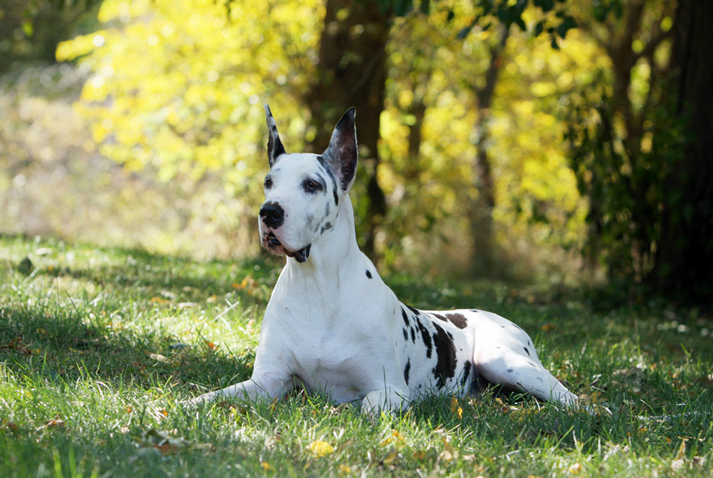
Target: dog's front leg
<point>389,399</point>
<point>265,386</point>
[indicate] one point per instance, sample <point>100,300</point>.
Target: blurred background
<point>558,141</point>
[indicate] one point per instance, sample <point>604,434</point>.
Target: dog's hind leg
<point>504,354</point>
<point>524,374</point>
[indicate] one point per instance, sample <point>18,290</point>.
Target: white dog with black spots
<point>332,326</point>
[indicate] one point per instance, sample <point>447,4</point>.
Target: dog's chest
<point>332,362</point>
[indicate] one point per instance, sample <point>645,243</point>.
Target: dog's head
<point>303,190</point>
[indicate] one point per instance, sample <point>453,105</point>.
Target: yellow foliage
<point>535,190</point>
<point>177,88</point>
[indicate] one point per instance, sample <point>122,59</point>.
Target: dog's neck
<point>333,249</point>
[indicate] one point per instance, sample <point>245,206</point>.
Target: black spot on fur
<point>527,351</point>
<point>531,364</point>
<point>326,227</point>
<point>328,171</point>
<point>405,334</point>
<point>439,317</point>
<point>425,336</point>
<point>414,310</point>
<point>407,370</point>
<point>446,352</point>
<point>413,335</point>
<point>458,320</point>
<point>368,274</point>
<point>510,370</point>
<point>404,315</point>
<point>465,374</point>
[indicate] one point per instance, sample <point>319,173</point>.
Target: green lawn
<point>97,346</point>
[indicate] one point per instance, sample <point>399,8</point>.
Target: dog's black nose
<point>272,215</point>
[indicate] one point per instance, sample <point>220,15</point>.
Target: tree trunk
<point>684,262</point>
<point>352,72</point>
<point>480,209</point>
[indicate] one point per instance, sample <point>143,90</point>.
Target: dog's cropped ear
<point>342,152</point>
<point>274,145</point>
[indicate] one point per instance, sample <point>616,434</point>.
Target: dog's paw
<point>197,401</point>
<point>378,401</point>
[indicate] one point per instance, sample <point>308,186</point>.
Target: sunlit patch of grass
<point>98,346</point>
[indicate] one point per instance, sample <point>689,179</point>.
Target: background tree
<point>32,29</point>
<point>684,259</point>
<point>640,143</point>
<point>479,208</point>
<point>351,71</point>
<point>618,169</point>
<point>434,120</point>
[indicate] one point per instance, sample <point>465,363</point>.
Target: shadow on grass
<point>51,331</point>
<point>148,274</point>
<point>56,344</point>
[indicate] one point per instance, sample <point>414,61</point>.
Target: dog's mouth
<point>274,245</point>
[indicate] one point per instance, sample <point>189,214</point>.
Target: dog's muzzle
<point>273,216</point>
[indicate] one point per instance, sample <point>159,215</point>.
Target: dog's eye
<point>311,185</point>
<point>268,182</point>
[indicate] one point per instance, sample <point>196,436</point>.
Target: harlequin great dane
<point>333,326</point>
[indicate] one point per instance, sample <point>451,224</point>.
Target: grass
<point>97,346</point>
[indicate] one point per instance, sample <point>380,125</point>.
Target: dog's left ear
<point>342,152</point>
<point>274,145</point>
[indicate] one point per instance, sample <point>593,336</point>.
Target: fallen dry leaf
<point>8,425</point>
<point>54,423</point>
<point>395,438</point>
<point>320,448</point>
<point>455,408</point>
<point>167,444</point>
<point>681,450</point>
<point>449,452</point>
<point>17,346</point>
<point>389,459</point>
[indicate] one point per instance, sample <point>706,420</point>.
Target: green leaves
<point>544,5</point>
<point>513,13</point>
<point>567,23</point>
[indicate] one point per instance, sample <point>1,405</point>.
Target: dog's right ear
<point>274,145</point>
